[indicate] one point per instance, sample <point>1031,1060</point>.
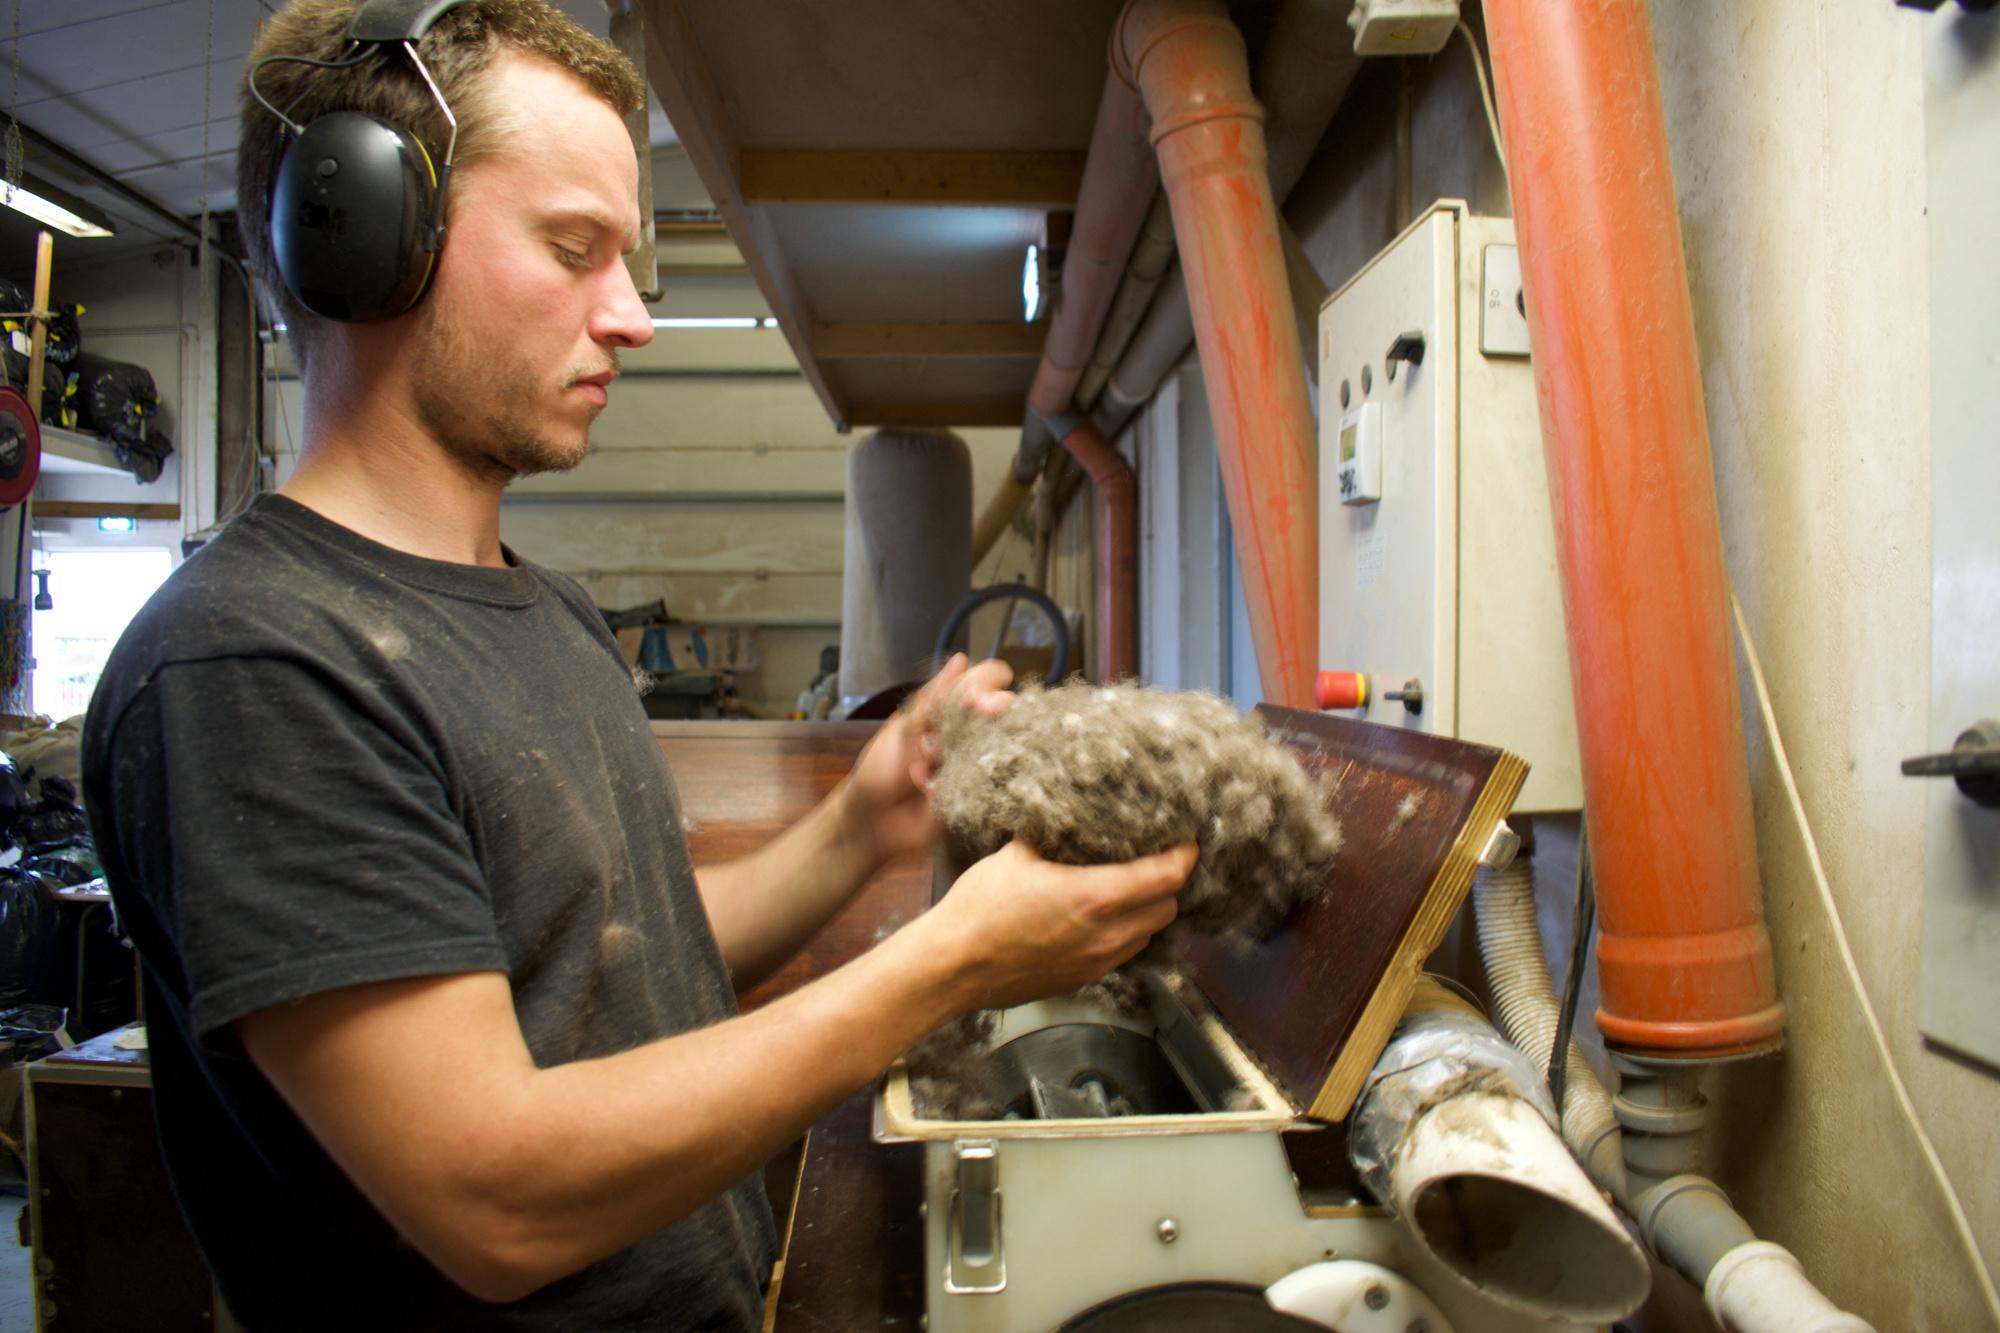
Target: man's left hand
<point>888,794</point>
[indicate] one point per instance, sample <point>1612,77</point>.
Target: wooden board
<point>743,783</point>
<point>1317,1001</point>
<point>110,1248</point>
<point>854,1251</point>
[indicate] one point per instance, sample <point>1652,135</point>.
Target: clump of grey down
<point>1089,774</point>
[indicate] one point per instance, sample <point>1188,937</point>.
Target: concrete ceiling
<point>145,92</point>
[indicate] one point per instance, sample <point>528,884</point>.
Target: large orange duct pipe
<point>1684,956</point>
<point>1117,551</point>
<point>1188,62</point>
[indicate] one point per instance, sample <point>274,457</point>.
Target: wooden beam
<point>706,270</point>
<point>682,229</point>
<point>840,341</point>
<point>954,412</point>
<point>687,92</point>
<point>105,509</point>
<point>1009,179</point>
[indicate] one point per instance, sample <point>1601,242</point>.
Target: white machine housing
<point>1084,1210</point>
<point>1448,580</point>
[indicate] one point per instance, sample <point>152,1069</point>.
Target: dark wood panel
<point>1317,1000</point>
<point>743,783</point>
<point>111,1249</point>
<point>854,1253</point>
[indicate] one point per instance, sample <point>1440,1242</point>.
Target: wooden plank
<point>710,537</point>
<point>743,783</point>
<point>742,596</point>
<point>697,473</point>
<point>104,509</point>
<point>856,340</point>
<point>1002,179</point>
<point>686,229</point>
<point>705,270</point>
<point>1416,811</point>
<point>945,412</point>
<point>680,77</point>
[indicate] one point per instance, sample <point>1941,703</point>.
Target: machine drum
<point>1189,1307</point>
<point>1072,1071</point>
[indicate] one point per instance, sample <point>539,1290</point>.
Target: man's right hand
<point>1029,928</point>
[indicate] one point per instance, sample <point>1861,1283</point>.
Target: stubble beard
<point>477,407</point>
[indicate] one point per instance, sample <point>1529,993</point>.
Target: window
<point>95,595</point>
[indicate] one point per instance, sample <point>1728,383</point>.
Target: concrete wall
<point>1798,142</point>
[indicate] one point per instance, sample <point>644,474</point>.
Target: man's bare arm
<point>508,1177</point>
<point>764,907</point>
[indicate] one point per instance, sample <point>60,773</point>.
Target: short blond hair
<point>458,50</point>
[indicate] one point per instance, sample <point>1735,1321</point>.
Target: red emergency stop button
<point>1341,689</point>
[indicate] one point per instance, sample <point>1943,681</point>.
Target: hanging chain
<point>17,149</point>
<point>207,87</point>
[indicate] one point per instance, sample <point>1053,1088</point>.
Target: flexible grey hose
<point>1504,902</point>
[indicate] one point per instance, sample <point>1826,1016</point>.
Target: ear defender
<point>357,205</point>
<point>350,218</point>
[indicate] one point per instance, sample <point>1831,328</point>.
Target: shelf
<point>75,453</point>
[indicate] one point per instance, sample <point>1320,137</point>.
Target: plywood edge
<point>1441,903</point>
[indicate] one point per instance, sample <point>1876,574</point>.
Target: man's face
<point>518,339</point>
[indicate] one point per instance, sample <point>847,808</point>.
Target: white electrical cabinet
<point>1437,565</point>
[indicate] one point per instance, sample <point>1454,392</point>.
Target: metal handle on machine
<point>975,1261</point>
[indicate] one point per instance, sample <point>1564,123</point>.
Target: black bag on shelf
<point>65,340</point>
<point>115,398</point>
<point>147,457</point>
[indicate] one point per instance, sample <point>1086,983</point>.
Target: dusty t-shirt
<point>314,761</point>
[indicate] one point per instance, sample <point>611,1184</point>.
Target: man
<point>442,1019</point>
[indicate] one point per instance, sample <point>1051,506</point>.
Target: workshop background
<point>1806,174</point>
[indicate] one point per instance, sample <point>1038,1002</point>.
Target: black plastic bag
<point>28,938</point>
<point>65,340</point>
<point>116,399</point>
<point>145,459</point>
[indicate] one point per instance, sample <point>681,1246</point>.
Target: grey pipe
<point>1307,67</point>
<point>1511,944</point>
<point>1152,256</point>
<point>1454,1130</point>
<point>1751,1286</point>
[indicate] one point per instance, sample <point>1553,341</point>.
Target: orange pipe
<point>1188,62</point>
<point>1117,551</point>
<point>1683,954</point>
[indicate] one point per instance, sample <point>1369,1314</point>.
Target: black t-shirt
<point>313,762</point>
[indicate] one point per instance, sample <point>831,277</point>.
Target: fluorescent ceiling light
<point>1031,285</point>
<point>117,524</point>
<point>715,322</point>
<point>68,215</point>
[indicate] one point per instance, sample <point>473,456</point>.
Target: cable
<point>250,79</point>
<point>1583,917</point>
<point>1959,1222</point>
<point>1485,95</point>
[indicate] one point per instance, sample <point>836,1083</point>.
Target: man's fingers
<point>984,687</point>
<point>925,699</point>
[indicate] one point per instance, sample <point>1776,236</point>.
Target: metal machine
<point>1161,1170</point>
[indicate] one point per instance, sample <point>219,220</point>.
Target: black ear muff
<point>350,218</point>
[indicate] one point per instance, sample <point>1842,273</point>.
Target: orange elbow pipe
<point>1684,957</point>
<point>1117,551</point>
<point>1188,62</point>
